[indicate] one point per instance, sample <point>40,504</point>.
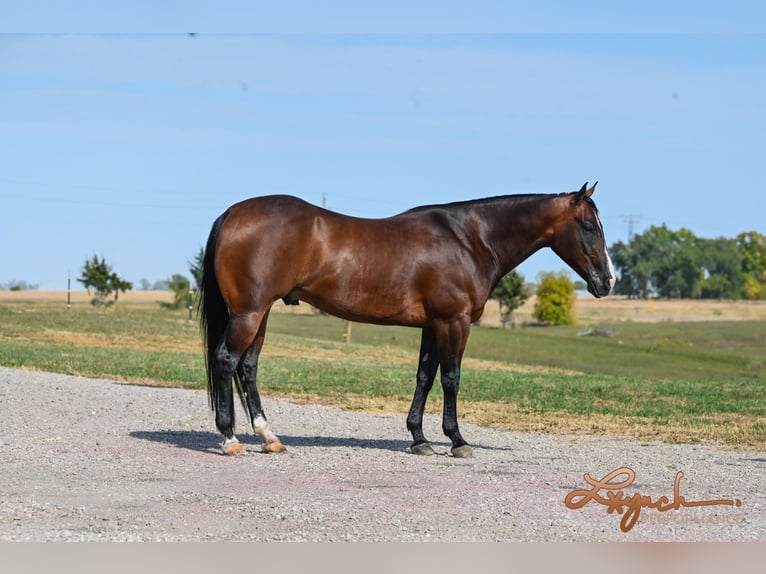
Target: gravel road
<point>86,459</point>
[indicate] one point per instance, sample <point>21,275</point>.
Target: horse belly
<point>370,297</point>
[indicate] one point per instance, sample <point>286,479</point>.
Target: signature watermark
<point>630,507</point>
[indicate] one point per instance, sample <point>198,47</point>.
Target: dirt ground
<point>97,460</point>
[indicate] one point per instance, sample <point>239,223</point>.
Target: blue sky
<point>127,136</point>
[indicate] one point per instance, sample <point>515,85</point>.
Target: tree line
<point>668,264</point>
<point>659,262</point>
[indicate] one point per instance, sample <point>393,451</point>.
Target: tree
<point>752,248</point>
<point>721,263</point>
<point>630,281</point>
<point>511,293</point>
<point>181,289</point>
<point>97,275</point>
<point>555,299</point>
<point>659,262</point>
<point>672,260</point>
<point>664,263</point>
<point>195,268</point>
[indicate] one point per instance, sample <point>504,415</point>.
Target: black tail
<point>212,310</point>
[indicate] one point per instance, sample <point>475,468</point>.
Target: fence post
<point>347,334</point>
<point>190,300</point>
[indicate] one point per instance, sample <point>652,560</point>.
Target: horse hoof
<point>422,448</point>
<point>463,451</point>
<point>233,448</point>
<point>275,446</point>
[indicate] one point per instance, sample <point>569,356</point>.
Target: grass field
<point>698,378</point>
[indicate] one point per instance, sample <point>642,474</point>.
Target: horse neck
<point>517,227</point>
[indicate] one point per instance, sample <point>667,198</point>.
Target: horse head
<point>578,238</point>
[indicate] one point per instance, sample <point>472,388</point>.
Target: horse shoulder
<point>465,232</point>
<point>456,270</point>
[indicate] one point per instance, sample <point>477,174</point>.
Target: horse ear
<point>580,194</point>
<point>590,191</point>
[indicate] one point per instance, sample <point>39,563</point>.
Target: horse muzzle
<point>601,286</point>
<point>602,283</point>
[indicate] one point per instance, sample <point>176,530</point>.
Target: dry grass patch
<point>100,340</point>
<point>731,431</point>
<point>617,309</point>
<point>725,431</point>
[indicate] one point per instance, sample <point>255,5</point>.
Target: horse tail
<point>212,311</point>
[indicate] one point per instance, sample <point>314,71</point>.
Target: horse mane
<point>520,198</point>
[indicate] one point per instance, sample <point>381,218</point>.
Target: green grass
<point>701,351</point>
<point>680,381</point>
<point>173,367</point>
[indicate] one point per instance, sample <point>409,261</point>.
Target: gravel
<point>98,460</point>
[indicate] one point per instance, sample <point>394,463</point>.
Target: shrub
<point>511,293</point>
<point>555,299</point>
<point>181,290</point>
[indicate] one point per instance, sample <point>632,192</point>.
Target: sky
<point>126,132</point>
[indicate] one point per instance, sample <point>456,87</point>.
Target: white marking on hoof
<point>232,446</point>
<point>262,428</point>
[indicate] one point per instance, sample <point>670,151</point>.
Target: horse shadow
<point>210,442</point>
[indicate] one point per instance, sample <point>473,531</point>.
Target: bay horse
<point>432,267</point>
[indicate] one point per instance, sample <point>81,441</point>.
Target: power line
<point>100,203</point>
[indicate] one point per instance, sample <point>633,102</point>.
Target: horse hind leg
<point>223,367</point>
<point>247,370</point>
<point>240,333</point>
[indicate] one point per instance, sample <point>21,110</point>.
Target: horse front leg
<point>451,385</point>
<point>427,367</point>
<point>247,370</point>
<point>452,339</point>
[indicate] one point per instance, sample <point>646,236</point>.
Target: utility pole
<point>630,220</point>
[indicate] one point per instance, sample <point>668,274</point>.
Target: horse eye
<point>588,226</point>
